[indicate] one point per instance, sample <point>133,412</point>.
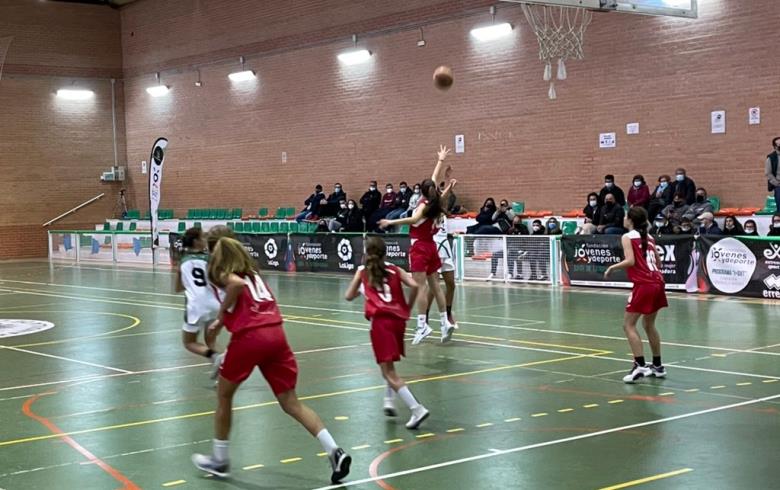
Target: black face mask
<point>610,204</point>
<point>677,204</point>
<point>699,198</point>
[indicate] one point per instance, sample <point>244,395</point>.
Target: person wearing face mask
<point>370,200</point>
<point>354,219</point>
<point>732,226</point>
<point>537,256</point>
<point>331,207</point>
<point>639,194</point>
<point>387,205</point>
<point>611,188</point>
<point>750,228</point>
<point>701,206</point>
<point>414,200</point>
<point>610,217</point>
<point>591,212</point>
<point>685,227</point>
<point>553,227</point>
<point>661,227</point>
<point>402,199</point>
<point>661,197</point>
<point>313,203</point>
<point>517,228</point>
<point>485,216</point>
<point>708,226</point>
<point>775,229</point>
<point>770,169</point>
<point>685,185</point>
<point>674,212</point>
<point>339,222</point>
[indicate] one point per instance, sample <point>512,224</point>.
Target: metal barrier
<point>509,258</point>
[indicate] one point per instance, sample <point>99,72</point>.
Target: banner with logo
<point>739,266</point>
<point>327,252</point>
<point>587,257</point>
<point>155,181</point>
<point>270,250</point>
<point>398,250</point>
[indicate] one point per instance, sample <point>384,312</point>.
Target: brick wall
<point>52,152</point>
<point>384,120</point>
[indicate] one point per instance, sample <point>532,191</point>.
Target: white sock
<point>221,450</point>
<point>445,322</point>
<point>420,321</point>
<point>327,441</point>
<point>389,392</point>
<point>408,398</point>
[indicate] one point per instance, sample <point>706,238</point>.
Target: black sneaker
<point>657,371</point>
<point>210,465</point>
<point>340,462</point>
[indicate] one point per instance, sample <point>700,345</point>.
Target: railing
<point>66,213</point>
<point>115,247</point>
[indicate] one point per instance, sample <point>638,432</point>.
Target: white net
<point>516,258</point>
<point>5,43</point>
<point>560,32</point>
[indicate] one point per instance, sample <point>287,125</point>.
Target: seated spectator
<point>750,228</point>
<point>331,208</point>
<point>312,209</point>
<point>387,205</point>
<point>354,222</point>
<point>451,206</point>
<point>591,211</point>
<point>553,227</point>
<point>708,226</point>
<point>517,228</point>
<point>401,201</point>
<point>674,212</point>
<point>639,194</point>
<point>537,228</point>
<point>685,227</point>
<point>611,188</point>
<point>661,227</point>
<point>775,228</point>
<point>732,227</point>
<point>501,221</point>
<point>485,216</point>
<point>414,200</point>
<point>537,256</point>
<point>370,200</point>
<point>685,185</point>
<point>701,206</point>
<point>610,217</point>
<point>661,197</point>
<point>322,226</point>
<point>340,221</point>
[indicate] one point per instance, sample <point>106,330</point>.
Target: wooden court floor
<point>529,394</point>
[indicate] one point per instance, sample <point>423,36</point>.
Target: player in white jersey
<point>201,304</point>
<point>444,245</point>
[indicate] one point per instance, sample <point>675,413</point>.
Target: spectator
<point>537,228</point>
<point>610,217</point>
<point>611,188</point>
<point>537,256</point>
<point>485,216</point>
<point>354,223</point>
<point>322,226</point>
<point>662,197</point>
<point>732,226</point>
<point>674,212</point>
<point>451,206</point>
<point>708,225</point>
<point>553,227</point>
<point>501,220</point>
<point>639,194</point>
<point>402,199</point>
<point>517,228</point>
<point>770,169</point>
<point>415,200</point>
<point>685,185</point>
<point>685,227</point>
<point>370,200</point>
<point>339,222</point>
<point>386,206</point>
<point>701,206</point>
<point>751,228</point>
<point>312,209</point>
<point>661,227</point>
<point>591,211</point>
<point>774,230</point>
<point>332,207</point>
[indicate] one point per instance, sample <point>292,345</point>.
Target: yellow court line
<point>174,483</point>
<point>513,419</point>
<point>270,403</point>
<point>457,429</point>
<point>746,383</point>
<point>358,448</point>
<point>540,414</point>
<point>394,441</point>
<point>486,424</point>
<point>769,381</point>
<point>565,410</point>
<point>591,405</point>
<point>425,436</point>
<point>612,402</point>
<point>290,460</point>
<point>640,481</point>
<point>596,352</point>
<point>253,467</point>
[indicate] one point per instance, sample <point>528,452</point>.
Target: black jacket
<point>313,202</point>
<point>611,217</point>
<point>352,221</point>
<point>402,199</point>
<point>485,216</point>
<point>370,202</point>
<point>687,187</point>
<point>616,191</point>
<point>591,213</point>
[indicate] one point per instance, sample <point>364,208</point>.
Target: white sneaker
<point>490,277</point>
<point>637,372</point>
<point>421,333</point>
<point>210,465</point>
<point>419,414</point>
<point>216,364</point>
<point>389,407</point>
<point>446,332</point>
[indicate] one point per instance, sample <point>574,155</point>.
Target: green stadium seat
<point>403,230</point>
<point>770,206</point>
<point>211,213</point>
<point>220,214</point>
<point>518,207</point>
<point>120,226</point>
<point>294,227</point>
<point>106,226</point>
<point>240,228</point>
<point>197,224</point>
<point>715,201</point>
<point>132,226</point>
<point>280,213</point>
<point>265,227</point>
<point>256,227</point>
<point>190,213</point>
<point>274,227</point>
<point>262,213</point>
<point>146,216</point>
<point>231,226</point>
<point>238,213</point>
<point>182,226</point>
<point>569,227</point>
<point>284,227</point>
<point>290,213</point>
<point>197,213</point>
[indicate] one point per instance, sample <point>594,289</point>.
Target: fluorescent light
<point>242,76</point>
<point>355,57</point>
<point>74,94</point>
<point>491,32</point>
<point>157,90</point>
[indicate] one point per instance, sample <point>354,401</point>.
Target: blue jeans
<point>304,215</point>
<point>395,214</point>
<point>614,230</point>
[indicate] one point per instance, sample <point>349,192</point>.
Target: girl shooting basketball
<point>647,297</point>
<point>388,310</point>
<point>250,313</point>
<point>424,261</point>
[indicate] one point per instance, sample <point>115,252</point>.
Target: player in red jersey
<point>424,260</point>
<point>387,309</point>
<point>251,315</point>
<point>648,296</point>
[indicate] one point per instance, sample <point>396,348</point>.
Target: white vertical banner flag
<point>155,181</point>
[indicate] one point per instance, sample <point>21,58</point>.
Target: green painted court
<point>529,395</point>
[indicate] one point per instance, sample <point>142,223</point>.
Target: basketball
<point>442,77</point>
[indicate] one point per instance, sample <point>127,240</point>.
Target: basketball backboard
<point>672,8</point>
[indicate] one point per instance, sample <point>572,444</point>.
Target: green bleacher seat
<point>280,213</point>
<point>197,224</point>
<point>182,226</point>
<point>274,228</point>
<point>715,201</point>
<point>190,213</point>
<point>240,226</point>
<point>770,206</point>
<point>262,213</point>
<point>403,230</point>
<point>231,226</point>
<point>256,227</point>
<point>197,213</point>
<point>518,207</point>
<point>132,226</point>
<point>294,227</point>
<point>238,213</point>
<point>265,227</point>
<point>106,226</point>
<point>120,226</point>
<point>290,213</point>
<point>284,227</point>
<point>569,227</point>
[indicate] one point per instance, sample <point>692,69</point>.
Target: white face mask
<point>659,224</point>
<point>537,227</point>
<point>372,188</point>
<point>343,206</point>
<point>417,191</point>
<point>403,189</point>
<point>637,183</point>
<point>750,230</point>
<point>351,206</point>
<point>680,177</point>
<point>593,203</point>
<point>776,224</point>
<point>389,190</point>
<point>337,190</point>
<point>609,184</point>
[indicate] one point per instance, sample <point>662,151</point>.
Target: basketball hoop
<point>5,42</point>
<point>560,31</point>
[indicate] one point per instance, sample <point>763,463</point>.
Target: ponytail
<point>375,262</point>
<point>434,208</point>
<point>638,217</point>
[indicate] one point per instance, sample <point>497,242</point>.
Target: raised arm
<point>439,170</point>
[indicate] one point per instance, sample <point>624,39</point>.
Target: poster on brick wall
<point>718,122</point>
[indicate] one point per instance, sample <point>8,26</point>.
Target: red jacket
<point>639,197</point>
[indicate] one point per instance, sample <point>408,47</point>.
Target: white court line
<point>493,454</point>
<point>66,359</point>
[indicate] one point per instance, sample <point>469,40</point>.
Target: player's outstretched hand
<point>443,152</point>
<point>607,272</point>
<point>384,223</point>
